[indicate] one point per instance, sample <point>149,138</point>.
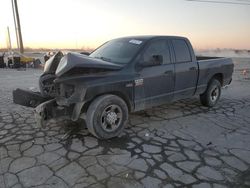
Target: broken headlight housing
<point>62,65</point>
<point>48,64</point>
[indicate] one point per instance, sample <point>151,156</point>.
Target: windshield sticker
<point>135,41</point>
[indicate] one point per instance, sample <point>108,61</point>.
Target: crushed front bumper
<point>47,108</point>
<point>28,98</point>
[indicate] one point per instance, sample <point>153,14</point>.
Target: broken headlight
<point>61,66</point>
<point>48,64</point>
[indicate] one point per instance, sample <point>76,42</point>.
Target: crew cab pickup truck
<point>121,76</point>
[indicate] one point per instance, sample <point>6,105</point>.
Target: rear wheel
<point>107,116</point>
<point>212,94</point>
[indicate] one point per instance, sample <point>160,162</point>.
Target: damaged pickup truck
<point>121,76</point>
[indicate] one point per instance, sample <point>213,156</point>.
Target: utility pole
<point>10,46</point>
<point>14,16</point>
<point>9,40</point>
<point>18,27</point>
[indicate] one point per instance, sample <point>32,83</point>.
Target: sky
<point>89,23</point>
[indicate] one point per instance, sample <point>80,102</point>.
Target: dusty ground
<point>177,145</point>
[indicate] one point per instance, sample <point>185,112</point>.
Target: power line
<point>221,2</point>
<point>243,0</point>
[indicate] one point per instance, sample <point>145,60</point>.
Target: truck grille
<point>47,85</point>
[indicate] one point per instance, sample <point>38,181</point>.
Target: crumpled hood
<point>76,60</point>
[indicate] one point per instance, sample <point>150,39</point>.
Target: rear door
<point>154,85</point>
<point>186,70</point>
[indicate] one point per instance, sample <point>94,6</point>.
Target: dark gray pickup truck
<point>121,76</point>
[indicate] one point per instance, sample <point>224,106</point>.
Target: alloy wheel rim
<point>111,118</point>
<point>214,94</point>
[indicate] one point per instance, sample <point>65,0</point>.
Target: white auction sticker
<point>134,41</point>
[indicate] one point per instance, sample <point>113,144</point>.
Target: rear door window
<point>159,47</point>
<point>182,52</point>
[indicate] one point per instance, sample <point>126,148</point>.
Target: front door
<point>154,85</point>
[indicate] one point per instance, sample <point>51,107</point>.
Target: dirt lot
<point>175,145</point>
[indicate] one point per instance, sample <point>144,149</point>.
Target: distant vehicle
<point>25,59</point>
<point>2,63</point>
<point>125,75</point>
<point>20,60</point>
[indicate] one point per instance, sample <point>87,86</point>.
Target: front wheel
<point>107,116</point>
<point>212,94</point>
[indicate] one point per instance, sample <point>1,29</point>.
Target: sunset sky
<point>89,23</point>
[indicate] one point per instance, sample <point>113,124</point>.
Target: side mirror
<point>155,60</point>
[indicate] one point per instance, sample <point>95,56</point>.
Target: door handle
<point>192,68</point>
<point>168,72</point>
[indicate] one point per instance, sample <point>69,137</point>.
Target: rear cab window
<point>182,52</point>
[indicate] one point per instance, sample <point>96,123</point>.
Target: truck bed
<point>200,58</point>
<point>209,66</point>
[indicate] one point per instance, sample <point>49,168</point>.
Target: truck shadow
<point>137,120</point>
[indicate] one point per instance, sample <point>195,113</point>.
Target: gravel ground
<point>178,145</point>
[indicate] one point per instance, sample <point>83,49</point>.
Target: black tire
<point>107,116</point>
<point>212,94</point>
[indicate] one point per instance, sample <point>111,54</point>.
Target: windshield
<point>119,51</point>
